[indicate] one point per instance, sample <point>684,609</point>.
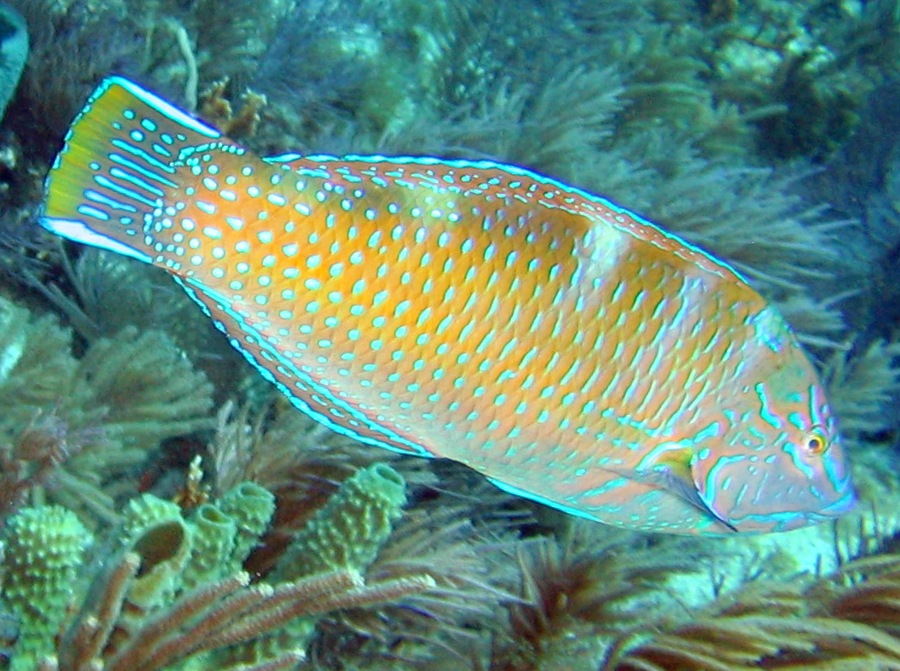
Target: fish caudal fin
<point>121,159</point>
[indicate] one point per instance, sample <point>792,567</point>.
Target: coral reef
<point>224,613</point>
<point>171,590</point>
<point>43,549</point>
<point>156,531</point>
<point>634,607</point>
<point>710,117</point>
<point>13,53</point>
<point>848,620</point>
<point>349,529</point>
<point>344,535</point>
<point>251,507</point>
<point>111,405</point>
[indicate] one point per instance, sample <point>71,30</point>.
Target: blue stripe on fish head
<point>782,465</point>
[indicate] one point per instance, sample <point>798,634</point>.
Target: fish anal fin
<point>324,403</point>
<point>528,494</point>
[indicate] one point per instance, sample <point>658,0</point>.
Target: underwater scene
<point>551,335</point>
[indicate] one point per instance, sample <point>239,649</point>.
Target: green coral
<point>44,556</point>
<point>350,528</point>
<point>169,596</point>
<point>155,530</point>
<point>180,552</point>
<point>13,52</point>
<point>345,534</point>
<point>113,405</point>
<point>251,507</point>
<point>213,535</point>
<point>146,512</point>
<point>43,551</point>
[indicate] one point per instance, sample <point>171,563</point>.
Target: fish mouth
<point>788,521</point>
<point>843,505</point>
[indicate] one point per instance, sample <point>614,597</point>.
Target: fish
<point>568,349</point>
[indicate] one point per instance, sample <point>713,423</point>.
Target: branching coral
<point>776,238</point>
<point>168,595</point>
<point>546,127</point>
<point>469,556</point>
<point>575,590</point>
<point>31,458</point>
<point>306,465</point>
<point>214,616</point>
<point>106,293</point>
<point>863,384</point>
<point>849,620</point>
<point>298,459</point>
<point>627,609</point>
<point>103,412</point>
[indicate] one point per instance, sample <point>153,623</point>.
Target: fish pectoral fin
<point>671,470</point>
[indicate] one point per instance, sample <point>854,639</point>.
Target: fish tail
<point>124,157</point>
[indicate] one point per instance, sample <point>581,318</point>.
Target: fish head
<point>779,464</point>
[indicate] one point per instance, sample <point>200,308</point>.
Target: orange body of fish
<point>563,346</point>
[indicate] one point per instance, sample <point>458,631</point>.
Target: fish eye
<point>815,442</point>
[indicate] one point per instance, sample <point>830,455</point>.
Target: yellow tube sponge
<point>349,530</point>
<point>212,545</point>
<point>251,507</point>
<point>155,530</point>
<point>43,550</point>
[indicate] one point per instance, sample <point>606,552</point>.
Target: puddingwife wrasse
<point>566,348</point>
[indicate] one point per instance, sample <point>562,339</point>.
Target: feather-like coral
<point>848,620</point>
<point>111,402</point>
<point>214,616</point>
<point>682,111</point>
<point>577,591</point>
<point>864,383</point>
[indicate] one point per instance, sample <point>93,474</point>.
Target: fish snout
<point>766,495</point>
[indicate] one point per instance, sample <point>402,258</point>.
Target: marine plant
<point>663,110</point>
<point>865,380</point>
<point>167,586</point>
<point>464,546</point>
<point>847,620</point>
<point>662,606</point>
<point>97,416</point>
<point>13,52</point>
